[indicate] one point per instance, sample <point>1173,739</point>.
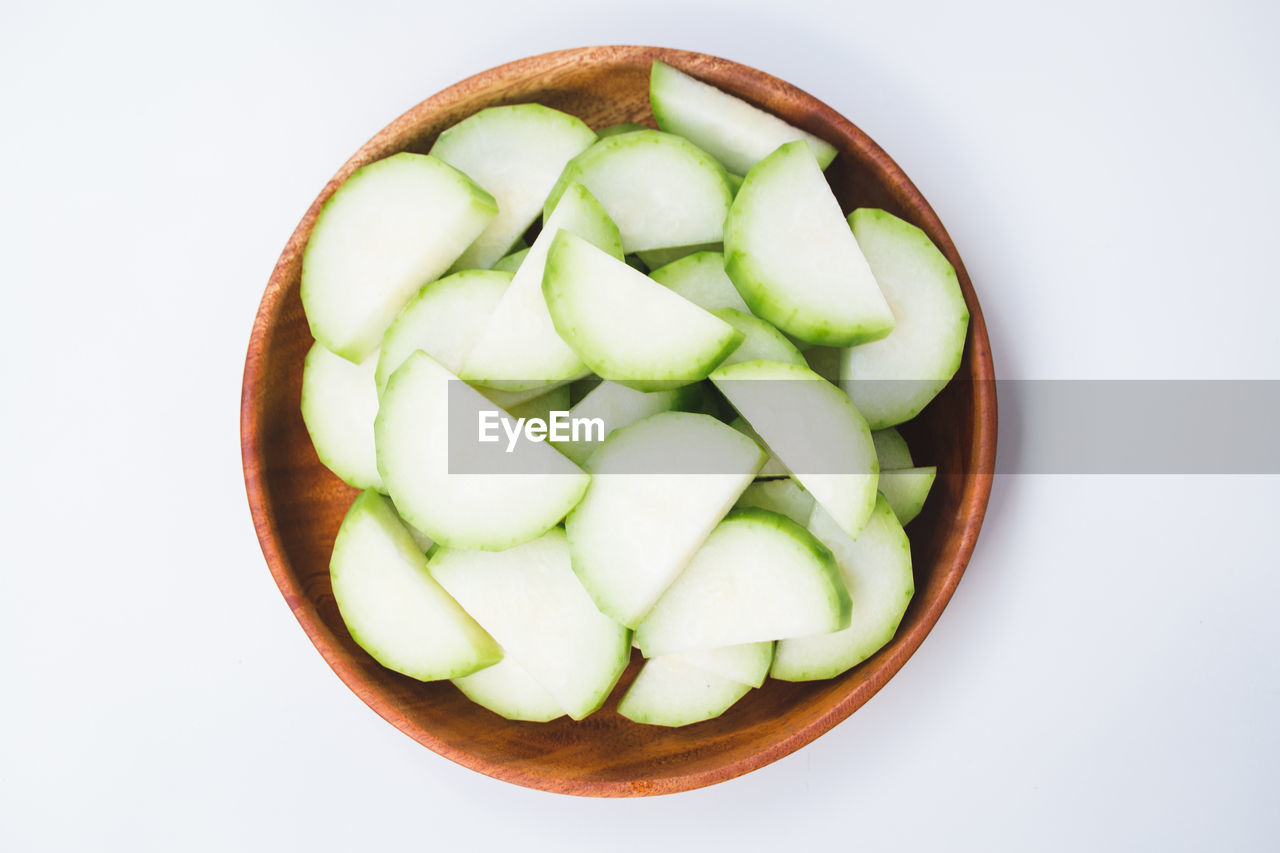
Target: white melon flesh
<point>393,226</point>
<point>339,403</point>
<point>617,406</point>
<point>530,601</point>
<point>728,128</point>
<point>391,605</point>
<point>660,189</point>
<point>747,663</point>
<point>906,490</point>
<point>669,692</point>
<point>507,689</point>
<point>516,153</point>
<point>760,342</point>
<point>892,380</point>
<point>479,510</point>
<point>790,252</point>
<point>813,428</point>
<point>758,577</point>
<point>701,279</point>
<point>443,320</point>
<point>876,569</point>
<point>658,488</point>
<point>624,325</point>
<point>520,349</point>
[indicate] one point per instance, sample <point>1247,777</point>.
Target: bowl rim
<point>972,504</point>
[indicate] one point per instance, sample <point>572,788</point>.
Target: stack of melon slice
<point>735,518</point>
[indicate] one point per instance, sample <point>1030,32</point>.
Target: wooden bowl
<point>297,504</point>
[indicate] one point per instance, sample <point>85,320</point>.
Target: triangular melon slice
<point>758,577</point>
<point>529,599</point>
<point>790,252</point>
<point>658,488</point>
<point>519,348</point>
<point>626,326</point>
<point>815,431</point>
<point>393,608</point>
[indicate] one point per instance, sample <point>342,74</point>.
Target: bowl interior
<point>298,505</point>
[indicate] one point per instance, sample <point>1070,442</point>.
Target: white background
<point>1106,677</point>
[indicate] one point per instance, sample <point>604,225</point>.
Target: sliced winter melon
<point>532,491</point>
<point>515,153</point>
<point>758,577</point>
<point>393,226</point>
<point>892,380</point>
<point>815,431</point>
<point>393,608</point>
<point>876,569</point>
<point>670,692</point>
<point>627,327</point>
<point>736,133</point>
<point>790,252</point>
<point>507,689</point>
<point>443,320</point>
<point>701,279</point>
<point>339,403</point>
<point>519,349</point>
<point>529,599</point>
<point>658,487</point>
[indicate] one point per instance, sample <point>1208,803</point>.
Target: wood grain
<point>297,504</point>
